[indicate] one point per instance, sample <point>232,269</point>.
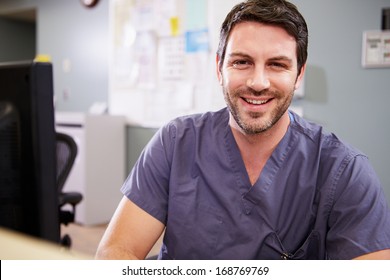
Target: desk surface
<point>16,246</point>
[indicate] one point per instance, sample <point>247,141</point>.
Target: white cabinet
<point>99,169</point>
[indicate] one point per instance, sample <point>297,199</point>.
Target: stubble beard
<point>258,122</point>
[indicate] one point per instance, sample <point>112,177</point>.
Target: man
<point>253,180</point>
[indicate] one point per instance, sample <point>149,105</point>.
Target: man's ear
<point>218,68</point>
<point>300,77</point>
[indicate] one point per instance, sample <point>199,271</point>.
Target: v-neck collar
<point>252,195</point>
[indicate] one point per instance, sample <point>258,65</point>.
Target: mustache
<point>253,92</point>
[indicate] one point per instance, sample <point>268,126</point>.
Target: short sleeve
<point>147,184</point>
<point>359,222</point>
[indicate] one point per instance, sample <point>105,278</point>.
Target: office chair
<point>66,149</point>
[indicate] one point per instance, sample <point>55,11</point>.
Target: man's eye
<point>278,65</point>
<point>240,63</point>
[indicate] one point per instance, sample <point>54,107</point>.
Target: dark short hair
<point>280,13</point>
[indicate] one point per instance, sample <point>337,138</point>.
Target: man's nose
<point>259,80</point>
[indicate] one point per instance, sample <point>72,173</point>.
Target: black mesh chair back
<point>66,156</point>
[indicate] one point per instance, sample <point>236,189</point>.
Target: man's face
<point>259,75</point>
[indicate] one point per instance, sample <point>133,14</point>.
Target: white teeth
<point>256,102</point>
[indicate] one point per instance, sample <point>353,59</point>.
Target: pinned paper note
<point>197,41</point>
<point>175,27</point>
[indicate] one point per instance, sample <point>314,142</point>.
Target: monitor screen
<point>28,191</point>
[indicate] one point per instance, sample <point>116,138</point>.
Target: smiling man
<point>258,83</point>
<point>253,180</point>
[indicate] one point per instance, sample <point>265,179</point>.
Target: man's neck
<point>256,149</point>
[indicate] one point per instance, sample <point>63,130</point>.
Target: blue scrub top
<point>316,198</point>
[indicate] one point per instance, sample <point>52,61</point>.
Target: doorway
<point>18,35</point>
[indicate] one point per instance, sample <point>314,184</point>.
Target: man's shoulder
<point>315,135</point>
<point>201,121</point>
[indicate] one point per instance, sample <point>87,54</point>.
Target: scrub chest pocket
<point>273,248</point>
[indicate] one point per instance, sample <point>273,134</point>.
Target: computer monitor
<point>28,191</point>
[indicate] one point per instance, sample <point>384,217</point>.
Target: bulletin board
<point>162,58</point>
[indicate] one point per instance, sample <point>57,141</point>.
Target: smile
<point>256,102</point>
